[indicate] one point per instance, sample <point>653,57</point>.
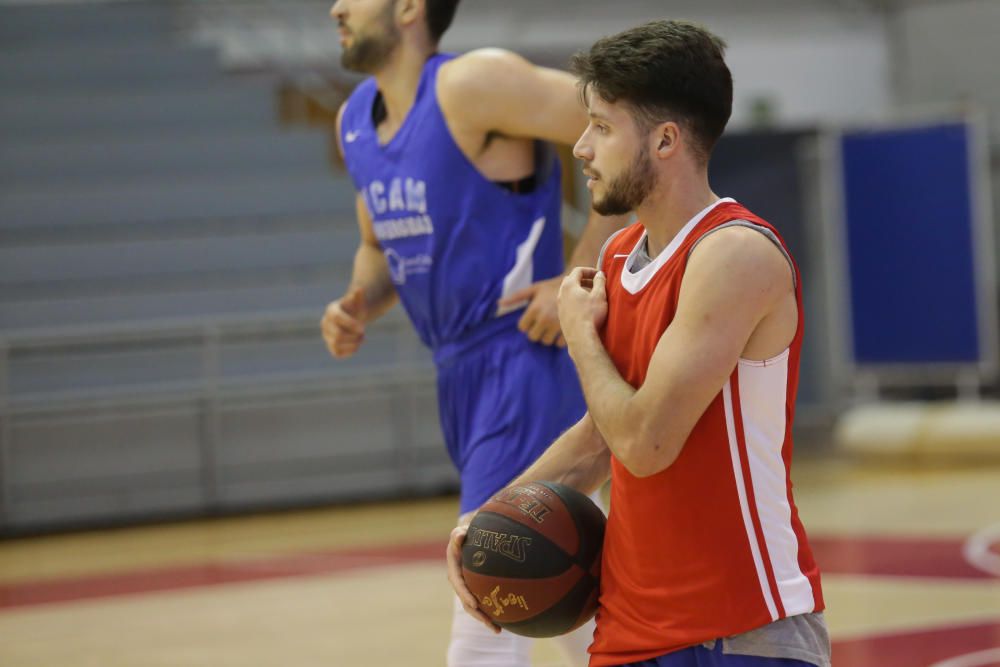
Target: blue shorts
<point>699,656</point>
<point>502,400</point>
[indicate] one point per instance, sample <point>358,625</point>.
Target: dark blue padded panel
<point>909,223</point>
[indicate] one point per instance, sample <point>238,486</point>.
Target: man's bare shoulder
<point>489,90</point>
<point>470,68</point>
<point>482,74</point>
<point>743,259</point>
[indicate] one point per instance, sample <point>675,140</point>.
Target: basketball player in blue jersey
<point>459,209</point>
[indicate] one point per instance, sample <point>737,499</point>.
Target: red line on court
<point>31,593</point>
<point>895,557</point>
<point>918,648</point>
<point>881,556</point>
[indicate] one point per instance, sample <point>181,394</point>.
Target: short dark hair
<point>439,16</point>
<point>665,70</point>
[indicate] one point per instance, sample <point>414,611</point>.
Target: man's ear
<point>669,136</point>
<point>409,11</point>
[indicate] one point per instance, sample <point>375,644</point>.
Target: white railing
<point>205,391</point>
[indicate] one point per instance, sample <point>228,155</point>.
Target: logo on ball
<point>527,499</point>
<point>498,603</point>
<point>478,558</point>
<point>513,547</point>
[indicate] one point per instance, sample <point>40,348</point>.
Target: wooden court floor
<point>911,562</point>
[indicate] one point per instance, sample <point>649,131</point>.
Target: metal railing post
<point>5,436</point>
<point>208,435</point>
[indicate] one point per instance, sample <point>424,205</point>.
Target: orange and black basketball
<point>532,557</point>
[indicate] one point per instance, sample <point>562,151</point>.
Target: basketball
<point>532,557</point>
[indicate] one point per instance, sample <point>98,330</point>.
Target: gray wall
<point>813,60</point>
<point>948,52</point>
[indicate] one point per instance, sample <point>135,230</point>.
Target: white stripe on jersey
<point>734,452</point>
<point>521,274</point>
<point>763,386</point>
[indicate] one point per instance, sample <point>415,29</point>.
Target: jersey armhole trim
<point>600,256</point>
<point>771,236</point>
<point>761,363</point>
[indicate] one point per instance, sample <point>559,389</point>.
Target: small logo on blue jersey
<point>400,267</point>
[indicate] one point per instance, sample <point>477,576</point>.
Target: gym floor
<point>910,558</point>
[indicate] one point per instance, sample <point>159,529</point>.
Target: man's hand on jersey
<point>583,302</point>
<point>540,321</point>
<point>343,324</point>
<point>454,557</point>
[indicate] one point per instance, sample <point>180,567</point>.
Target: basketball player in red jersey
<point>687,340</point>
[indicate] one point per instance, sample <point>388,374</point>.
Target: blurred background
<point>174,218</point>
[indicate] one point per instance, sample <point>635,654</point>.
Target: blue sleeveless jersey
<point>455,242</point>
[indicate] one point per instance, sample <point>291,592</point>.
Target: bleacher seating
<point>166,249</point>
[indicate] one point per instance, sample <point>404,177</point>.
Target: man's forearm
<point>579,458</point>
<point>371,274</point>
<point>595,233</point>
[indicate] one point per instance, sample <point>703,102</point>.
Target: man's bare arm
<point>500,91</point>
<point>734,279</point>
<point>370,293</point>
<point>579,458</point>
<point>370,272</point>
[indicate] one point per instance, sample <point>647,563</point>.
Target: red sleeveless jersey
<point>711,546</point>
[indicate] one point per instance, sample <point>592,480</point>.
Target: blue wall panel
<point>909,228</point>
